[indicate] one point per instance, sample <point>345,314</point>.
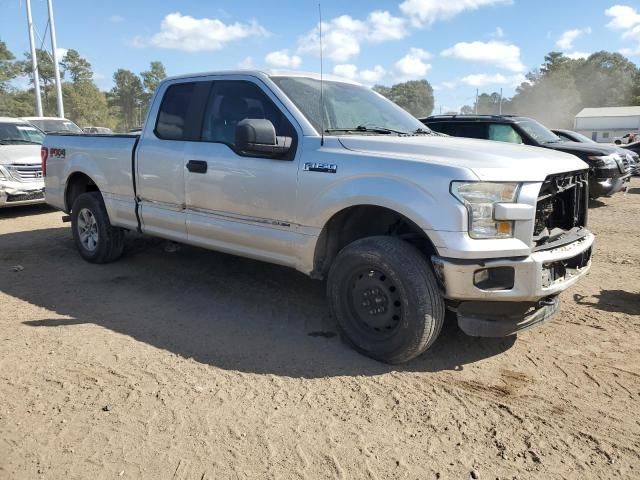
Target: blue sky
<point>458,45</point>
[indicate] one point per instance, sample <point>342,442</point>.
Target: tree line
<point>554,93</point>
<point>121,108</point>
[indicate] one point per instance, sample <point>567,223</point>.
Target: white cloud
<point>627,20</point>
<point>577,55</point>
<point>373,75</point>
<point>342,36</point>
<point>500,54</point>
<point>247,64</point>
<point>351,71</point>
<point>484,79</point>
<point>498,33</point>
<point>623,17</point>
<point>183,32</point>
<point>412,65</point>
<point>116,18</point>
<point>565,42</point>
<point>61,52</point>
<point>282,59</point>
<point>426,12</point>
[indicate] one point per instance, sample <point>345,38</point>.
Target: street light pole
<point>34,61</point>
<point>56,67</point>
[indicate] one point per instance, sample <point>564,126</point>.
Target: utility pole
<point>56,67</point>
<point>34,61</point>
<point>477,92</point>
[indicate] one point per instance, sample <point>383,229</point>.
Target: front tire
<point>386,299</point>
<point>96,240</point>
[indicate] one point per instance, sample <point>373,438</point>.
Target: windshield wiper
<point>367,129</point>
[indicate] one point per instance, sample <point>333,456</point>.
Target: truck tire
<point>385,298</point>
<point>95,238</point>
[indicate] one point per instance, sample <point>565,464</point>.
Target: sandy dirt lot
<point>198,365</point>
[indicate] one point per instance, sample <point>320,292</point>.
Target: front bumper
<point>607,186</point>
<point>534,276</point>
<point>13,194</point>
<point>523,295</point>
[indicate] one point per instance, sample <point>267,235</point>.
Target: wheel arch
<point>365,220</point>
<point>77,184</point>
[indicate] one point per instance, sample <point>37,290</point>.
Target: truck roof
<point>12,120</point>
<point>265,73</point>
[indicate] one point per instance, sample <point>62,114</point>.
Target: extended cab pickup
<point>401,222</point>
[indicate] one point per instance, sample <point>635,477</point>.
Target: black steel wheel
<point>385,298</point>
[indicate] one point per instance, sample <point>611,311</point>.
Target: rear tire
<point>96,240</point>
<point>386,299</point>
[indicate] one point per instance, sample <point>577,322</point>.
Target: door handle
<point>197,166</point>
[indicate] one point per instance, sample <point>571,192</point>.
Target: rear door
<point>160,158</point>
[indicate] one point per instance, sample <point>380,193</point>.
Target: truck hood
<point>28,154</point>
<point>488,160</point>
<point>583,149</point>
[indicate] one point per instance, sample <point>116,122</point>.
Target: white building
<point>607,123</point>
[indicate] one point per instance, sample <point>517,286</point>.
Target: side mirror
<point>258,137</point>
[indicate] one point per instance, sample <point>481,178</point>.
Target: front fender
<point>430,207</point>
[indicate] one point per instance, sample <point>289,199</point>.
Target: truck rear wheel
<point>385,298</point>
<point>96,240</point>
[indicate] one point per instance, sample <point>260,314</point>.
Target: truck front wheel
<point>96,240</point>
<point>385,298</point>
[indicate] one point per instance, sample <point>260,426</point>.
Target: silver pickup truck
<point>337,182</point>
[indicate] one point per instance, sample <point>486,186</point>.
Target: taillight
<point>44,154</point>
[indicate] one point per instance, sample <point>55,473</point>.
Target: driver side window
<point>232,101</point>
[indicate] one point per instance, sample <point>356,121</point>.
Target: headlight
<point>4,175</point>
<point>480,199</point>
<point>606,161</point>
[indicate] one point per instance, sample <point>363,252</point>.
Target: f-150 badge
<point>321,167</point>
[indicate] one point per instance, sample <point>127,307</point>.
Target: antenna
<point>321,80</point>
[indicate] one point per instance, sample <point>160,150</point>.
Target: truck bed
<point>106,159</point>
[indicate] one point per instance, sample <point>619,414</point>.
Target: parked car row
<point>21,181</point>
<point>610,167</point>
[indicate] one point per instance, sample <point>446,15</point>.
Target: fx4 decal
<point>57,152</point>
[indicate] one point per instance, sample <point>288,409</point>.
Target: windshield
<point>16,133</point>
<point>53,125</point>
<point>539,132</point>
<point>347,107</point>
<point>578,137</point>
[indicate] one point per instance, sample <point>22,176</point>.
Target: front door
<point>235,202</point>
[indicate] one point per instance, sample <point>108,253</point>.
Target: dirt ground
<point>197,365</point>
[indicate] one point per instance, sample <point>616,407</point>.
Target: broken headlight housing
<point>480,199</point>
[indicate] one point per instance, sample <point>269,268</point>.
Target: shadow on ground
<point>221,310</point>
<point>612,301</point>
<point>8,213</point>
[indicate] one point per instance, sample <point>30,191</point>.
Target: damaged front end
<point>21,184</point>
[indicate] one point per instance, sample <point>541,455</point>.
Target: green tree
<point>151,79</point>
<point>415,96</point>
<point>127,97</point>
<point>8,67</point>
<point>86,105</point>
<point>46,74</point>
<point>78,68</point>
<point>605,79</point>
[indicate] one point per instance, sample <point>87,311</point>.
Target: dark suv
<point>608,170</point>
